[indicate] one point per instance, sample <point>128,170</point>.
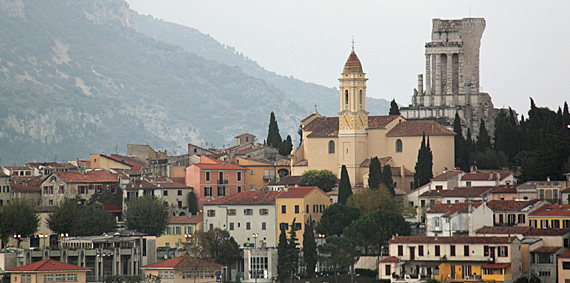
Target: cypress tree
<point>283,266</point>
<point>483,141</point>
<point>459,141</point>
<point>424,164</point>
<point>292,248</point>
<point>394,108</point>
<point>387,179</point>
<point>374,173</point>
<point>286,146</point>
<point>309,248</point>
<point>273,136</point>
<point>344,188</point>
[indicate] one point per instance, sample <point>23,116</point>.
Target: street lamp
<point>18,237</point>
<point>44,236</point>
<point>255,235</point>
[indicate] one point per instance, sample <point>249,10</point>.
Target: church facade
<point>452,78</point>
<point>354,137</point>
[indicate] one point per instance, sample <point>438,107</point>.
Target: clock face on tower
<point>361,121</point>
<point>346,121</point>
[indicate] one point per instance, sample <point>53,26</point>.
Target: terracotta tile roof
<point>182,262</point>
<point>328,126</point>
<point>565,255</point>
<point>383,161</point>
<point>297,192</point>
<point>141,184</point>
<point>244,134</point>
<point>18,187</point>
<point>249,198</point>
<point>467,192</point>
<point>418,128</point>
<point>486,175</point>
<point>496,265</point>
<point>303,162</point>
<point>207,150</point>
<point>352,64</point>
<point>312,114</point>
<point>48,265</point>
<point>283,162</point>
<point>552,210</point>
<point>504,189</point>
<point>111,208</point>
<point>287,180</point>
<point>546,249</point>
<point>218,164</point>
<point>508,205</point>
<point>195,219</point>
<point>180,180</point>
<point>433,193</point>
<point>92,176</point>
<point>451,208</point>
<point>445,176</point>
<point>521,230</point>
<point>451,240</point>
<point>390,259</point>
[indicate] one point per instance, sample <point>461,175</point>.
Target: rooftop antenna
<point>352,43</point>
<point>315,108</point>
<point>469,10</point>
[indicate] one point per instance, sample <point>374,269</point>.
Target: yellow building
<point>354,137</point>
<point>300,203</point>
<point>48,270</point>
<point>260,173</point>
<point>551,216</point>
<point>476,259</point>
<point>104,162</point>
<point>185,269</point>
<point>178,227</point>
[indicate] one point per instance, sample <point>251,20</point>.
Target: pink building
<point>213,178</point>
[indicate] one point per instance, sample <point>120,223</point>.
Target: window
<point>296,209</point>
<point>360,98</point>
<point>211,226</point>
<point>231,212</point>
<point>420,250</point>
<point>532,223</point>
<point>60,277</point>
<point>541,194</point>
<point>388,271</point>
<point>565,265</point>
<point>263,211</point>
<point>435,222</point>
<point>485,250</point>
<point>168,231</point>
<point>566,243</point>
<point>331,146</point>
<point>48,277</point>
<point>283,209</point>
<point>177,230</point>
<point>247,225</point>
<point>315,208</point>
<point>544,224</point>
<point>298,226</point>
<point>452,250</point>
<point>207,176</point>
<point>239,189</point>
<point>321,208</point>
<point>251,172</point>
<point>251,187</point>
<point>231,226</point>
<point>544,273</point>
<point>346,97</point>
<point>511,219</point>
<point>466,250</point>
<point>503,251</point>
<point>27,278</point>
<point>165,193</point>
<point>400,250</point>
<point>221,191</point>
<point>263,226</point>
<point>207,191</point>
<point>284,226</point>
<point>556,224</point>
<point>259,267</point>
<point>211,213</point>
<point>239,176</point>
<point>399,145</point>
<point>179,192</point>
<point>468,184</point>
<point>248,211</point>
<point>521,219</point>
<point>437,250</point>
<point>307,208</point>
<point>543,258</point>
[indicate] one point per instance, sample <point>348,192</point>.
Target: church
<point>354,137</point>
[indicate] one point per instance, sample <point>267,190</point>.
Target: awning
<point>430,264</point>
<point>496,265</point>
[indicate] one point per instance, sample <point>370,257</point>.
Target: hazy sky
<point>524,50</point>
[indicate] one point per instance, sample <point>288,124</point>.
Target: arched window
<point>331,146</point>
<point>360,98</point>
<point>346,97</point>
<point>399,146</point>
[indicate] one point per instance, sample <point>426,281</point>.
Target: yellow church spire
<point>352,114</point>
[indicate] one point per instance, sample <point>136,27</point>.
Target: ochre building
<point>353,137</point>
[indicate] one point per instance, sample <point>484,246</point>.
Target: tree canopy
<point>273,136</point>
<point>309,249</point>
<point>368,201</point>
<point>341,252</point>
<point>344,187</point>
<point>387,179</point>
<point>337,217</point>
<point>147,214</point>
<point>374,173</point>
<point>71,217</point>
<point>326,180</point>
<point>394,108</point>
<point>424,165</point>
<point>223,248</point>
<point>17,217</point>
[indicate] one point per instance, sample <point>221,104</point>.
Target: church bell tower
<point>352,118</point>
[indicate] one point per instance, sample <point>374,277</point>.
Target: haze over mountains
<point>80,77</point>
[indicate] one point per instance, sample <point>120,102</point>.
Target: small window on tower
<point>331,146</point>
<point>360,98</point>
<point>346,97</point>
<point>399,145</point>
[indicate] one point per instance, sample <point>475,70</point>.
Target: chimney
<point>420,84</point>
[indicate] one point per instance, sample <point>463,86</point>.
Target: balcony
<point>222,182</point>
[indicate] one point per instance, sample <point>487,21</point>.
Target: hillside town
<point>432,192</point>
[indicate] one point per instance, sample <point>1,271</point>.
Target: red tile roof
<point>445,176</point>
<point>553,210</point>
<point>352,64</point>
<point>508,205</point>
<point>383,161</point>
<point>247,198</point>
<point>312,114</point>
<point>283,162</point>
<point>467,192</point>
<point>141,184</point>
<point>245,134</point>
<point>496,265</point>
<point>486,175</point>
<point>433,193</point>
<point>287,180</point>
<point>182,262</point>
<point>505,189</point>
<point>18,187</point>
<point>92,176</point>
<point>451,240</point>
<point>521,230</point>
<point>297,192</point>
<point>449,209</point>
<point>565,255</point>
<point>111,208</point>
<point>546,249</point>
<point>48,265</point>
<point>218,164</point>
<point>186,219</point>
<point>328,126</point>
<point>390,259</point>
<point>418,128</point>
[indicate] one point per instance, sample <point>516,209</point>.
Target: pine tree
<point>344,188</point>
<point>387,179</point>
<point>394,108</point>
<point>424,165</point>
<point>292,248</point>
<point>374,173</point>
<point>283,266</point>
<point>273,136</point>
<point>309,249</point>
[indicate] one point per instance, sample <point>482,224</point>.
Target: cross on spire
<point>352,43</point>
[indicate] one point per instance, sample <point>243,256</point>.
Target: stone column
<point>460,75</point>
<point>449,73</point>
<point>420,84</point>
<point>437,74</point>
<point>428,74</point>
